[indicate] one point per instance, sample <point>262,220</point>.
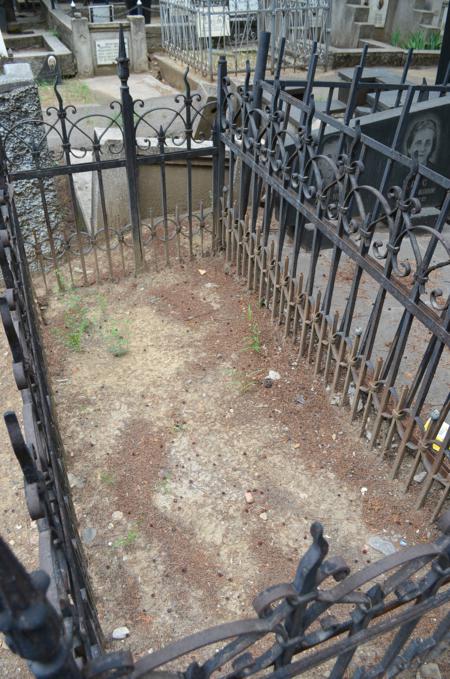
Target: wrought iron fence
<point>197,31</point>
<point>302,200</point>
<point>148,201</point>
<point>330,227</point>
<point>69,603</point>
<point>311,267</point>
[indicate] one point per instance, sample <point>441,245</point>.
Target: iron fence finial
<point>123,62</point>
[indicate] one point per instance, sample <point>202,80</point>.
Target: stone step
<point>360,12</point>
<point>364,29</point>
<point>432,29</point>
<point>378,44</point>
<point>422,4</point>
<point>426,16</point>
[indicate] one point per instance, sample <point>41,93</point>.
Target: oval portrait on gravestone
<point>422,140</point>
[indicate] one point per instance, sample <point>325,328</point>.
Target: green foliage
<point>419,40</point>
<point>434,41</point>
<point>127,540</point>
<point>88,316</point>
<point>107,478</point>
<point>76,322</point>
<point>395,38</point>
<point>254,339</point>
<point>73,90</point>
<point>116,339</point>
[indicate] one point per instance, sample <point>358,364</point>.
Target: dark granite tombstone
<point>427,134</point>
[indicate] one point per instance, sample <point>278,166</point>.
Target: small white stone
<point>117,516</point>
<point>120,633</point>
<point>363,490</point>
<point>249,498</point>
<point>421,476</point>
<point>273,375</point>
<point>263,516</point>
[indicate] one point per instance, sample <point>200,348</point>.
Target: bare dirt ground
<point>164,440</point>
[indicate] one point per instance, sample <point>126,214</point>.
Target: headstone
<point>427,135</point>
<point>101,14</point>
<point>106,51</point>
<point>213,21</point>
<point>378,12</point>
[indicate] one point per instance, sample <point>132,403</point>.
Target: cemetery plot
<point>209,479</point>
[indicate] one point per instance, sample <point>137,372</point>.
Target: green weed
<point>242,381</point>
<point>72,89</point>
<point>395,38</point>
<point>419,40</point>
<point>116,340</point>
<point>254,339</point>
<point>76,322</point>
<point>127,540</point>
<point>434,41</point>
<point>107,478</point>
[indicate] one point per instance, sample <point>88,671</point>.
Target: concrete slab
<point>142,86</point>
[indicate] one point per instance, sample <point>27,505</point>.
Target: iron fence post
<point>210,66</point>
<point>444,57</point>
<point>32,627</point>
<point>219,156</point>
<point>129,140</point>
<point>259,75</point>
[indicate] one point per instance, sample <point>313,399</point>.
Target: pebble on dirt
<point>429,671</point>
<point>117,516</point>
<point>120,633</point>
<point>273,375</point>
<point>382,545</point>
<point>88,535</point>
<point>249,498</point>
<point>421,476</point>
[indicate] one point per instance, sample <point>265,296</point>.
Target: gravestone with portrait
<point>427,136</point>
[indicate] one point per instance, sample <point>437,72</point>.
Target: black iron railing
<point>309,267</point>
<point>332,227</point>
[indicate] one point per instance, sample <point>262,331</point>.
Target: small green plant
<point>419,40</point>
<point>254,339</point>
<point>434,41</point>
<point>76,322</point>
<point>127,540</point>
<point>242,381</point>
<point>107,478</point>
<point>116,340</point>
<point>416,41</point>
<point>395,38</point>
